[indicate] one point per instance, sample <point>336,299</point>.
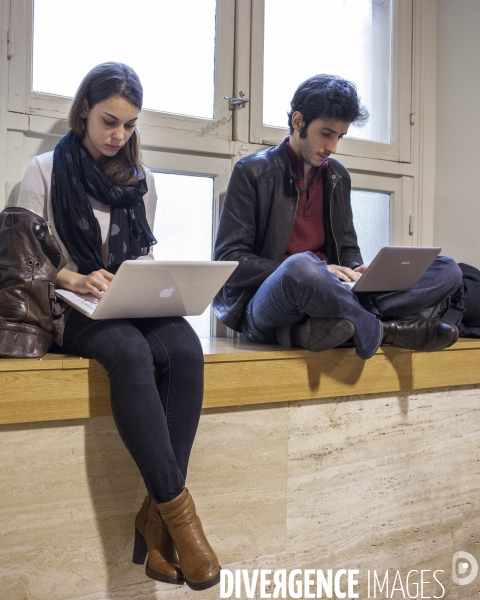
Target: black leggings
<point>155,368</point>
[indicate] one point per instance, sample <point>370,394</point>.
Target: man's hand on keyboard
<point>361,269</point>
<point>344,273</point>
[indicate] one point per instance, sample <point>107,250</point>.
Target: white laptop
<point>394,268</point>
<point>152,288</point>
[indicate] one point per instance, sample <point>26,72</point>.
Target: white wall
<point>457,184</point>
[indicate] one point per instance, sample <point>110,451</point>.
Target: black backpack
<point>470,325</point>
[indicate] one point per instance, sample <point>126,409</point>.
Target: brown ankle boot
<point>151,535</point>
<point>197,559</point>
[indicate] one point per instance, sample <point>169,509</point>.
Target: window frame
<point>22,99</point>
<point>400,148</point>
<point>401,202</point>
<point>197,166</point>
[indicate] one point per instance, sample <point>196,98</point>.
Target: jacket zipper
<point>298,197</point>
<point>294,217</point>
<point>331,223</point>
<point>49,228</point>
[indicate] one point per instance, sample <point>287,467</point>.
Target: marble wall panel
<point>70,492</point>
<point>378,483</point>
<point>151,590</point>
<point>373,482</point>
<point>313,559</point>
<point>241,455</point>
<point>386,482</point>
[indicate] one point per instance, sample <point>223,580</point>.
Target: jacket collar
<point>284,162</point>
<point>331,174</point>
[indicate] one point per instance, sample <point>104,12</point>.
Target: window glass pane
<point>184,225</point>
<point>169,44</point>
<point>371,216</point>
<point>350,38</point>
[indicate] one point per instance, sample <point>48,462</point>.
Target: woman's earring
<point>83,116</point>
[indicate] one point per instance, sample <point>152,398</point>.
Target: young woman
<point>100,201</point>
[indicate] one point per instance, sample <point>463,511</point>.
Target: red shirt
<point>308,232</point>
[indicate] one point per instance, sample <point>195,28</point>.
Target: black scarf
<point>76,174</point>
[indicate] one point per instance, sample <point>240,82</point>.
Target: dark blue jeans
<point>303,287</point>
<point>156,369</point>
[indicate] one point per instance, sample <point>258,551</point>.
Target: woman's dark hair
<point>102,82</point>
<point>327,97</point>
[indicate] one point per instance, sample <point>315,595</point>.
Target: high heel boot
<point>198,561</point>
<point>151,535</point>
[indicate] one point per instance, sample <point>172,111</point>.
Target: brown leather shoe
<point>198,561</point>
<point>151,535</point>
<point>425,335</point>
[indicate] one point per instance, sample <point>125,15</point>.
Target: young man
<point>287,219</point>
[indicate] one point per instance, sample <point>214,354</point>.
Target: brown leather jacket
<point>257,219</point>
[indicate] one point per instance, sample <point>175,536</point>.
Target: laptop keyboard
<point>90,303</point>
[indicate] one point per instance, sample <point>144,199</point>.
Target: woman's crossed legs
<point>155,368</point>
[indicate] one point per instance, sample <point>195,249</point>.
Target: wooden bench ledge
<point>60,387</point>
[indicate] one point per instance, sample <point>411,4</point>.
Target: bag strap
<point>455,308</point>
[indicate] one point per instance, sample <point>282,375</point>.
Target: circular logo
<point>460,567</point>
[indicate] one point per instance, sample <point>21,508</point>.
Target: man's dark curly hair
<point>327,97</point>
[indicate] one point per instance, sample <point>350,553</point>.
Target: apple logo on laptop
<point>167,292</point>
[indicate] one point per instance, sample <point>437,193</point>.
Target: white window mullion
<point>402,104</point>
<point>19,63</point>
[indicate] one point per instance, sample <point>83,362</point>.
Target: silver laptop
<point>152,288</point>
<point>394,268</point>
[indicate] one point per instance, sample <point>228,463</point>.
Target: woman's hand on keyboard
<point>96,283</point>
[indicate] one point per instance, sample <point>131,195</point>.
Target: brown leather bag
<point>30,258</point>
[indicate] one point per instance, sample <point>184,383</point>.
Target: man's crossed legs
<point>302,288</point>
